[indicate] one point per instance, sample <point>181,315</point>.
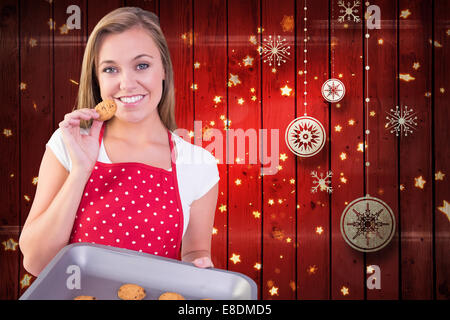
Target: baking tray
<point>101,270</point>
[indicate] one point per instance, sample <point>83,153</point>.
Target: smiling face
<point>130,71</point>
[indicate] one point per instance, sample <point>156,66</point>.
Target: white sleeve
<point>56,144</point>
<point>207,174</point>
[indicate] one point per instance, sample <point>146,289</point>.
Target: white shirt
<point>197,170</point>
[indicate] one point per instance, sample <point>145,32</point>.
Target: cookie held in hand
<point>106,109</point>
<point>131,291</point>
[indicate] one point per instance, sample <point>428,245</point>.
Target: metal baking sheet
<point>99,271</point>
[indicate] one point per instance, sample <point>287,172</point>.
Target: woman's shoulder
<point>189,153</point>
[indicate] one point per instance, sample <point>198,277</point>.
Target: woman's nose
<point>127,81</point>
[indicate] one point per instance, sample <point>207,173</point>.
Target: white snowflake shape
<point>324,183</point>
<point>275,50</point>
<point>401,121</point>
<point>349,11</point>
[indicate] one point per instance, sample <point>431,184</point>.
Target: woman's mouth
<point>131,100</point>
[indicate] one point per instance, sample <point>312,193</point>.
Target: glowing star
<point>405,13</point>
<point>283,157</point>
<point>236,258</point>
<point>445,209</point>
<point>10,244</point>
<point>7,132</point>
<point>372,113</point>
<point>254,98</point>
<point>194,86</point>
<point>73,81</point>
<point>238,182</point>
<point>345,291</point>
<point>223,208</point>
<point>23,86</point>
<point>292,181</point>
<point>197,65</point>
<point>406,77</point>
<point>416,65</point>
<point>215,231</point>
<point>271,202</point>
<point>248,61</point>
<point>324,183</point>
<point>257,266</point>
<point>361,147</point>
<point>275,50</point>
<point>27,198</point>
<point>312,269</point>
<point>63,29</point>
<point>256,214</point>
<point>287,23</point>
<point>273,291</point>
<point>51,24</point>
<point>234,79</point>
<point>343,156</point>
<point>191,134</point>
<point>35,181</point>
<point>338,128</point>
<point>380,41</point>
<point>32,42</point>
<point>252,39</point>
<point>286,91</point>
<point>319,230</point>
<point>25,282</point>
<point>439,176</point>
<point>419,182</point>
<point>351,122</point>
<point>241,101</point>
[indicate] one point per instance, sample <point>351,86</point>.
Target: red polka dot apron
<point>131,205</point>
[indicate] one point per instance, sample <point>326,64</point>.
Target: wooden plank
<point>383,169</point>
<point>210,80</point>
<point>244,104</point>
<point>178,32</point>
<point>441,150</point>
<point>97,10</point>
<point>415,151</point>
<point>279,202</point>
<point>347,264</point>
<point>67,43</point>
<point>149,5</point>
<point>9,144</point>
<point>313,220</point>
<point>37,107</point>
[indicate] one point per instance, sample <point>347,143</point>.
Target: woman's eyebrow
<point>135,58</point>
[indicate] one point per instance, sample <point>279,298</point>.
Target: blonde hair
<point>118,21</point>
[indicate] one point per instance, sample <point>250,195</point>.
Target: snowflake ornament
<point>349,11</point>
<point>305,136</point>
<point>401,121</point>
<point>322,183</point>
<point>333,90</point>
<point>275,50</point>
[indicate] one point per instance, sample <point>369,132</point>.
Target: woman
<point>129,182</point>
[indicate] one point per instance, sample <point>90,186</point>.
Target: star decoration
<point>236,258</point>
<point>343,156</point>
<point>283,157</point>
<point>405,13</point>
<point>351,122</point>
<point>319,230</point>
<point>257,266</point>
<point>248,61</point>
<point>273,291</point>
<point>194,86</point>
<point>406,77</point>
<point>7,132</point>
<point>63,29</point>
<point>416,65</point>
<point>271,202</point>
<point>445,209</point>
<point>23,86</point>
<point>10,244</point>
<point>234,80</point>
<point>217,99</point>
<point>223,208</point>
<point>32,42</point>
<point>238,182</point>
<point>27,198</point>
<point>252,39</point>
<point>286,91</point>
<point>419,182</point>
<point>51,24</point>
<point>312,269</point>
<point>197,65</point>
<point>241,101</point>
<point>338,128</point>
<point>35,181</point>
<point>25,282</point>
<point>256,214</point>
<point>214,231</point>
<point>287,23</point>
<point>439,176</point>
<point>345,291</point>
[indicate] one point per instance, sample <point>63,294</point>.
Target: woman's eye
<point>142,66</point>
<point>109,70</point>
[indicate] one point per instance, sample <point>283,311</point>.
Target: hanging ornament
<point>333,90</point>
<point>367,224</point>
<point>305,136</point>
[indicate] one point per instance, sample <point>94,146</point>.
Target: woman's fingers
<point>203,262</point>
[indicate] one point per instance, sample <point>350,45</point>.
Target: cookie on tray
<point>171,296</point>
<point>131,291</point>
<point>106,109</point>
<point>85,298</point>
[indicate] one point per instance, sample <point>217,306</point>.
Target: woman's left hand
<point>203,262</point>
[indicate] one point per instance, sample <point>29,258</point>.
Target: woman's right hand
<point>83,149</point>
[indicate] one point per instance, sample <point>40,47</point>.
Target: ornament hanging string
<point>305,60</point>
<point>367,100</point>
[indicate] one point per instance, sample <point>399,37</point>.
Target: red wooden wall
<point>268,226</point>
